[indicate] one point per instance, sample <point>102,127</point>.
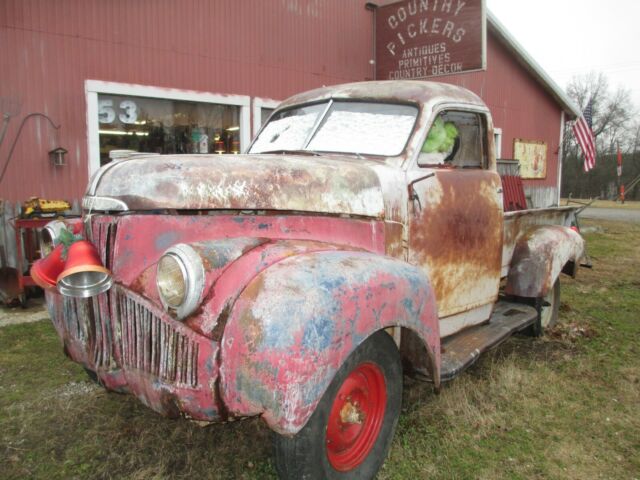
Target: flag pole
<point>619,172</point>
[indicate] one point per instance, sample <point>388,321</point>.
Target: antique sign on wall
<point>532,156</point>
<point>428,38</point>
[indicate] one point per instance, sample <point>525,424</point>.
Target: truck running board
<point>461,350</point>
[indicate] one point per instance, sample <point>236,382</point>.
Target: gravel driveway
<point>620,214</point>
<point>34,312</point>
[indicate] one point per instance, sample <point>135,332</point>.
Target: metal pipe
<point>372,7</point>
<point>15,140</point>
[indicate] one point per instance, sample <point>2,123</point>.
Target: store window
<point>166,126</point>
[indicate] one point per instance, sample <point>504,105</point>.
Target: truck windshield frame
<point>380,129</point>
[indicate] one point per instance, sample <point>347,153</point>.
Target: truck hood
<point>331,184</point>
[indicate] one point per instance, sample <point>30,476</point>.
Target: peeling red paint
<point>296,322</point>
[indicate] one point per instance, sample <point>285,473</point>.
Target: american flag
<point>584,134</point>
<point>619,161</point>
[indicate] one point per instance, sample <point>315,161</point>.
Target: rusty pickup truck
<point>362,236</point>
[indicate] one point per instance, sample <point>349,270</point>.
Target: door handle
<point>413,195</point>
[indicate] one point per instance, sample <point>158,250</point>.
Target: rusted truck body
<point>267,284</point>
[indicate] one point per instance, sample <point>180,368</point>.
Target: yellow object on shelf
<point>38,206</point>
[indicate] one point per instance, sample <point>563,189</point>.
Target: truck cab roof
<point>413,91</point>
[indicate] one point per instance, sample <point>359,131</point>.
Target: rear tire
<point>550,307</point>
<point>350,433</point>
<point>548,310</point>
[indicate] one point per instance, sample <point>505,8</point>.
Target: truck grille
<point>86,324</point>
<point>103,236</point>
<point>142,339</point>
<point>153,346</point>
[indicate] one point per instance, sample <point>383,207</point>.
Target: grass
<point>563,406</point>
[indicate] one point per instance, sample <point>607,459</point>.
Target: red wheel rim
<point>356,417</point>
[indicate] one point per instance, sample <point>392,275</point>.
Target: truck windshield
<point>347,127</point>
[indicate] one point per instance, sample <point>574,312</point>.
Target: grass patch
<point>563,406</point>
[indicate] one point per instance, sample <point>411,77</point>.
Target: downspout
<point>560,155</point>
<point>373,8</point>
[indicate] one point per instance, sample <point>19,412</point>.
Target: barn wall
<point>261,48</point>
<point>266,48</point>
<point>520,107</point>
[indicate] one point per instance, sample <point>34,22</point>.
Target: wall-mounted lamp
<point>57,156</point>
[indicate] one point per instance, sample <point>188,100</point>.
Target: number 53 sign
<point>107,114</point>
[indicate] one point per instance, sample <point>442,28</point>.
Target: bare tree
<point>612,111</point>
<point>613,123</point>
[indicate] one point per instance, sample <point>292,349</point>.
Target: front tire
<point>350,433</point>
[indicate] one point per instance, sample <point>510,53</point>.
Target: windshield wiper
<point>296,152</point>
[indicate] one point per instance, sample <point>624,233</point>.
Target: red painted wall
<point>266,48</point>
<point>518,103</point>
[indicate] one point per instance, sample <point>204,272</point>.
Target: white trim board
<point>256,110</point>
<point>497,137</point>
<point>93,87</point>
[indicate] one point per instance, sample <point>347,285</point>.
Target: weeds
<point>562,406</point>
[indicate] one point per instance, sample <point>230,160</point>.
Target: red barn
<point>199,76</point>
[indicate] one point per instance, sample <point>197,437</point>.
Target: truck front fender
<point>297,321</point>
<point>539,257</point>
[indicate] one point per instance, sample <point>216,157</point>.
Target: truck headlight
<point>180,280</point>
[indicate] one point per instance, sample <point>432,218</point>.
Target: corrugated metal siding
<point>541,197</point>
<point>519,105</point>
<point>264,48</point>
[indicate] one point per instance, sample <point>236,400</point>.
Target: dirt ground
<point>35,311</point>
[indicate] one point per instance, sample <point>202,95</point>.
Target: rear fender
<point>297,321</point>
<point>539,257</point>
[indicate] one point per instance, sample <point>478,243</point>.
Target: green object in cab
<point>441,137</point>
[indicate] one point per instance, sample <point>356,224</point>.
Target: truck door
<point>455,219</point>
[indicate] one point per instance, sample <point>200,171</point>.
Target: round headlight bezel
<point>193,275</point>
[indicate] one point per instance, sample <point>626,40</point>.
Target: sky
<point>574,37</point>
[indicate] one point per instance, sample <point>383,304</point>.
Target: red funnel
<point>46,270</point>
<point>83,275</point>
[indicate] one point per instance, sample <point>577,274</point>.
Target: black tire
<point>93,376</point>
<point>548,311</point>
<point>306,455</point>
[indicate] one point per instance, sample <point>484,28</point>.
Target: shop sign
<point>532,155</point>
<point>428,38</point>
